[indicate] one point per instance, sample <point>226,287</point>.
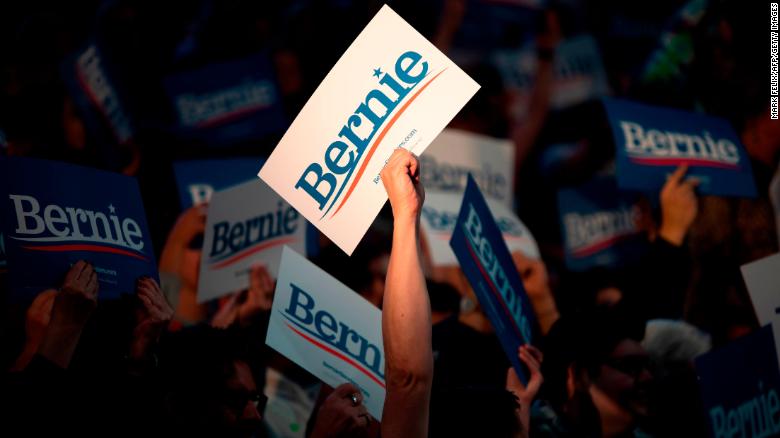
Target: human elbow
<point>409,378</point>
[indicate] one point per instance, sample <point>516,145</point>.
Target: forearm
<point>525,131</point>
<point>524,417</point>
<point>406,321</point>
<point>406,329</point>
<point>59,343</point>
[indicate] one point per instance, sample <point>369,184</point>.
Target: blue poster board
<point>198,179</point>
<point>487,263</point>
<point>599,225</point>
<point>96,91</point>
<point>740,386</point>
<point>651,142</point>
<point>227,102</point>
<point>55,214</point>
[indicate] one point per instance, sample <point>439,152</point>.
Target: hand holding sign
<point>341,413</point>
<point>406,312</point>
<point>72,308</point>
<point>532,358</point>
<point>384,93</point>
<point>401,178</point>
<point>488,265</point>
<point>260,295</point>
<point>247,305</point>
<point>679,206</point>
<point>78,296</point>
<point>152,319</point>
<point>36,322</point>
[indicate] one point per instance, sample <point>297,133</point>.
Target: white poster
<point>391,88</point>
<point>247,225</point>
<point>327,329</point>
<point>454,154</point>
<point>440,212</point>
<point>762,278</point>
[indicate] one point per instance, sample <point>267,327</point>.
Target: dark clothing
<point>45,399</point>
<point>464,357</point>
<point>656,287</point>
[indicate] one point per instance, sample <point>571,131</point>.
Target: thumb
<point>513,382</point>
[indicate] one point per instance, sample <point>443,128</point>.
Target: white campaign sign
<point>246,225</point>
<point>762,278</point>
<point>440,212</point>
<point>391,88</point>
<point>454,154</point>
<point>329,330</point>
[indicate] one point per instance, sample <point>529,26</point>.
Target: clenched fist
<point>401,178</point>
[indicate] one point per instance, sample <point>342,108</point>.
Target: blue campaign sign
<point>198,179</point>
<point>600,225</point>
<point>228,102</point>
<point>740,385</point>
<point>485,259</point>
<point>55,214</point>
<point>650,142</point>
<point>96,90</point>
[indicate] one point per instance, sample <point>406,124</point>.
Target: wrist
<point>406,220</point>
<point>673,235</point>
<point>64,324</point>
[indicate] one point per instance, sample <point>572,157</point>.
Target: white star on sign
<point>111,208</point>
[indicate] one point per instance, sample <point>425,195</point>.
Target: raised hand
<point>70,312</point>
<point>259,297</point>
<point>36,322</point>
<point>342,414</point>
<point>401,178</point>
<point>406,313</point>
<point>532,358</point>
<point>679,206</point>
<point>152,319</point>
<point>244,306</point>
<point>78,295</point>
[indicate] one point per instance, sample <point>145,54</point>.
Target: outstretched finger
<point>678,174</point>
